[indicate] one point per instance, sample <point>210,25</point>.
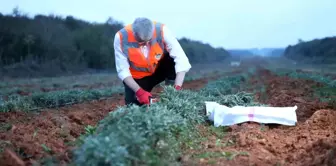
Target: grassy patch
<point>219,132</point>
<point>200,74</point>
<point>63,81</point>
<point>5,126</point>
<point>78,82</point>
<point>327,93</point>
<point>226,154</point>
<point>318,77</point>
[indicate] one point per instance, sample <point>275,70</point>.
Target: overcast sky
<point>224,23</point>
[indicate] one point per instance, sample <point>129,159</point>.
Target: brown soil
<point>53,128</point>
<point>311,142</point>
<point>27,132</point>
<point>285,91</point>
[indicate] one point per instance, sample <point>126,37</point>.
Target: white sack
<point>226,116</point>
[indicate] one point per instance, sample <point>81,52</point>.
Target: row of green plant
<point>319,77</point>
<point>27,90</point>
<point>51,99</point>
<point>155,135</point>
<point>40,99</point>
<point>32,85</point>
<point>61,81</point>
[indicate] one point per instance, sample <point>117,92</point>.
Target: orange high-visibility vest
<point>140,66</point>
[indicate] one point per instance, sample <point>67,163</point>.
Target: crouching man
<point>146,54</point>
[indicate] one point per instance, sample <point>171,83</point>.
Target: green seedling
<point>46,148</point>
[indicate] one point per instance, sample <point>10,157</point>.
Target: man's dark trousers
<point>164,72</point>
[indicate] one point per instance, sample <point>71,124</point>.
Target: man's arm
<point>122,65</point>
<point>182,65</point>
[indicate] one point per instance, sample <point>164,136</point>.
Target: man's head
<point>143,29</point>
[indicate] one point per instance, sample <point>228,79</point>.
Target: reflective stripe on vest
<point>126,45</point>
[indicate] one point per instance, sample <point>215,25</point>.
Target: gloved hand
<point>143,96</point>
<point>177,87</point>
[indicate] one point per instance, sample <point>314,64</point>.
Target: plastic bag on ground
<point>226,116</point>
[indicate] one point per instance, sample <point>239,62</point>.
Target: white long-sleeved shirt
<point>173,47</point>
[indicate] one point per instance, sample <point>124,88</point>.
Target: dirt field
<point>31,136</point>
<point>311,142</point>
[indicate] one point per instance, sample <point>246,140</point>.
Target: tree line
<point>317,51</point>
<point>52,45</point>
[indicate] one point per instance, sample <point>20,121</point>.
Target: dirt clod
<point>12,159</point>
